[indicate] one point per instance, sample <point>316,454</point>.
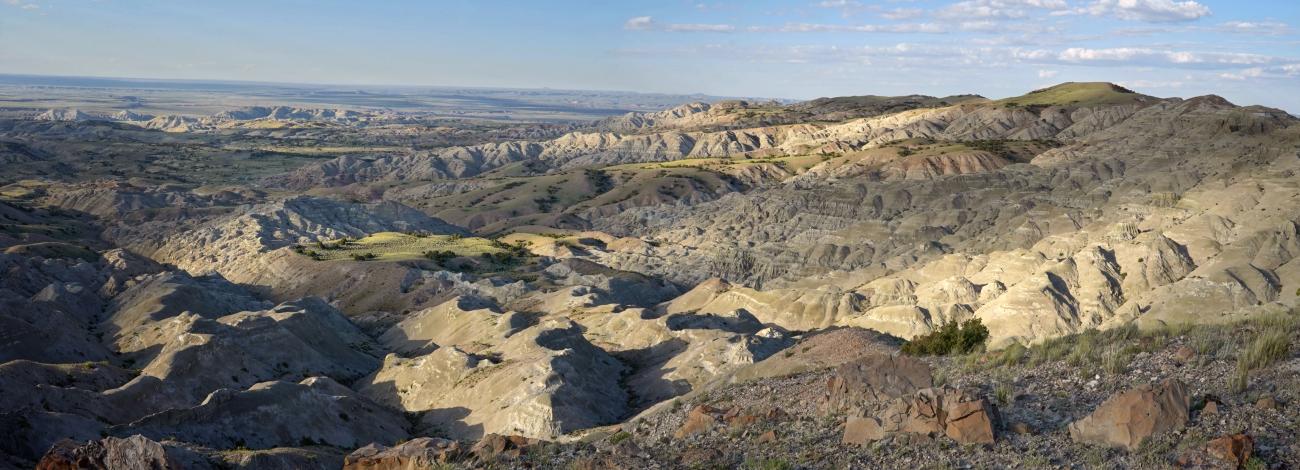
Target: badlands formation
<point>720,284</point>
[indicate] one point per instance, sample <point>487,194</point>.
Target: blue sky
<point>1248,52</point>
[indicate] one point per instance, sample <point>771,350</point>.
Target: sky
<point>1246,51</point>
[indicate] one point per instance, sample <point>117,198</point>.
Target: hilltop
<point>1078,94</point>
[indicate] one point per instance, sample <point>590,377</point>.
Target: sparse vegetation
<point>767,464</point>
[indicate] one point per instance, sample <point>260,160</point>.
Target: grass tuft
<point>1267,348</point>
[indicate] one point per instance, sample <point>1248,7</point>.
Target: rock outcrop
<point>276,414</point>
<point>418,453</point>
<point>958,414</point>
<point>874,378</point>
<point>540,382</point>
<point>110,453</point>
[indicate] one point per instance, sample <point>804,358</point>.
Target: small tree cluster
<point>440,256</point>
<point>950,338</point>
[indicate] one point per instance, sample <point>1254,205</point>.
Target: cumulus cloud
<point>646,23</point>
<point>1153,11</point>
<point>1047,73</point>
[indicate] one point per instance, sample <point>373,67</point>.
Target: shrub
<point>440,257</point>
<point>619,437</point>
<point>950,338</point>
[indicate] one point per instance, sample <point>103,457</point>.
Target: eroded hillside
<point>282,285</point>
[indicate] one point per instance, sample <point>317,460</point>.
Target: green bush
<point>619,437</point>
<point>950,338</point>
<point>440,257</point>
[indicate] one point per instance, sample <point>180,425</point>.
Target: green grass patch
<point>394,246</point>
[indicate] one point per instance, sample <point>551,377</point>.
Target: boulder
<point>873,378</point>
<point>701,419</point>
<point>958,414</point>
<point>420,453</point>
<point>1233,450</point>
<point>1127,419</point>
<point>494,447</point>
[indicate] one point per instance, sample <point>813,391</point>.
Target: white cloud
<point>1254,27</point>
<point>698,28</point>
<point>865,28</point>
<point>1285,71</point>
<point>1047,73</point>
<point>838,3</point>
<point>23,4</point>
<point>1150,84</point>
<point>1253,72</point>
<point>1153,11</point>
<point>639,23</point>
<point>998,8</point>
<point>1150,56</point>
<point>902,13</point>
<point>646,23</point>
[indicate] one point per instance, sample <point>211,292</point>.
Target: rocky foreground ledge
<point>1067,404</point>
